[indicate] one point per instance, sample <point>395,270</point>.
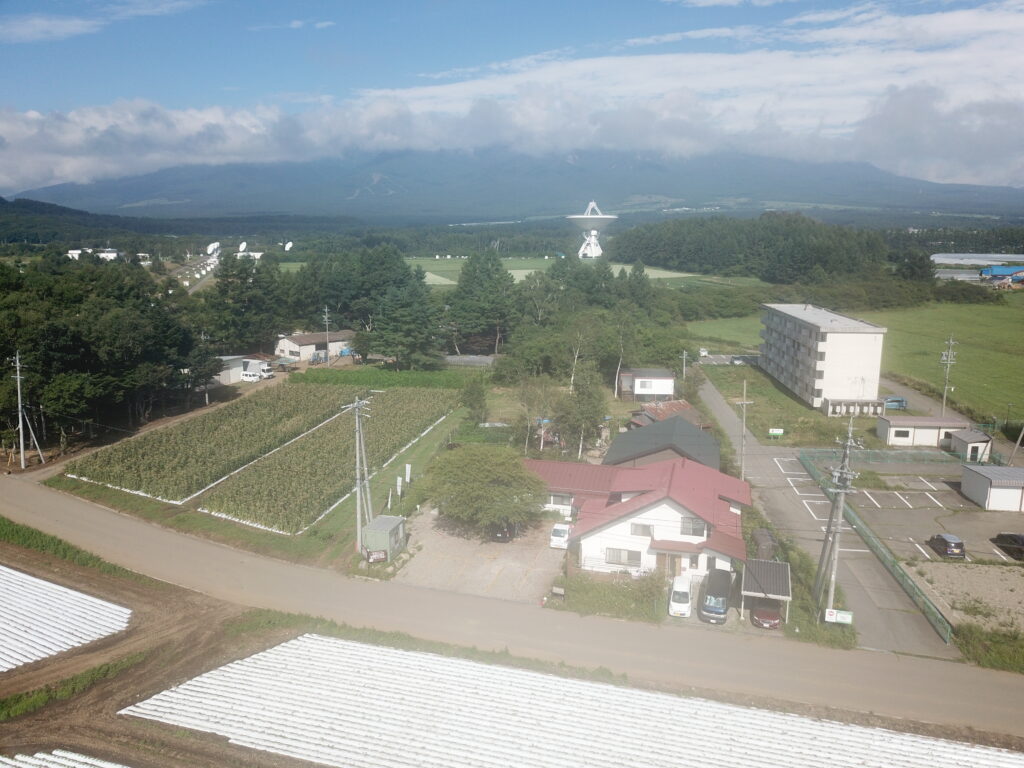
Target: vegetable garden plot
<point>39,618</point>
<point>342,703</point>
<point>173,463</point>
<point>293,487</point>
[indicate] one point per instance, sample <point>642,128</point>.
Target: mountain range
<point>502,185</point>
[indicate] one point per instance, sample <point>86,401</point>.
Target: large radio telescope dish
<point>592,221</point>
<point>288,245</point>
<point>241,246</point>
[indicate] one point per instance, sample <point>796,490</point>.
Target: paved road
<point>892,685</point>
<point>885,618</point>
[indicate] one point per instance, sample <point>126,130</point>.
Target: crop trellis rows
<point>176,462</point>
<point>293,487</point>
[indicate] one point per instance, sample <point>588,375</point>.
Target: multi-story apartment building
<point>828,360</point>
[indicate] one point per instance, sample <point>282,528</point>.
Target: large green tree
<point>482,486</point>
<point>480,309</point>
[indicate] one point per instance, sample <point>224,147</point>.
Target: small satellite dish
<point>288,245</point>
<point>241,247</point>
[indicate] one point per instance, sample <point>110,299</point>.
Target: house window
<point>629,557</point>
<point>643,384</point>
<point>821,357</point>
<point>693,526</point>
<point>947,435</point>
<point>819,374</point>
<point>901,433</point>
<point>817,393</point>
<point>560,499</point>
<point>695,561</point>
<point>639,529</point>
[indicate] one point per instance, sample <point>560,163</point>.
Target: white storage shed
<point>931,431</point>
<point>997,489</point>
<point>972,445</point>
<point>306,346</point>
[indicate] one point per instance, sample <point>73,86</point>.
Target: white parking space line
<point>937,502</point>
<point>815,492</point>
<point>921,548</point>
<point>1004,557</point>
<point>844,549</point>
<point>778,463</point>
<point>807,506</point>
<point>872,499</point>
<point>932,487</point>
<point>966,557</point>
<point>903,500</point>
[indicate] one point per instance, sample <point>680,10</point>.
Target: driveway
<point>520,570</point>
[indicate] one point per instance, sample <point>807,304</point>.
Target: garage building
<point>931,431</point>
<point>997,489</point>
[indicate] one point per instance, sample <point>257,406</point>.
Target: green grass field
<point>990,350</point>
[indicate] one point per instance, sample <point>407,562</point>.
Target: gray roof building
<point>655,442</point>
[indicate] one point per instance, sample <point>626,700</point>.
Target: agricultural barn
<point>997,489</point>
<point>828,360</point>
<point>304,346</point>
<point>678,516</point>
<point>971,445</point>
<point>672,438</point>
<point>931,431</point>
<point>647,384</point>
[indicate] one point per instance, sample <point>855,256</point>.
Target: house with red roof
<point>678,516</point>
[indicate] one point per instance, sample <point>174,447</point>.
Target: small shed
<point>322,345</point>
<point>647,384</point>
<point>997,489</point>
<point>231,370</point>
<point>767,578</point>
<point>931,431</point>
<point>971,445</point>
<point>384,538</point>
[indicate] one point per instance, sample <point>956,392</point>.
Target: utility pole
<point>684,364</point>
<point>842,477</point>
<point>364,506</point>
<point>743,432</point>
<point>21,413</point>
<point>948,359</point>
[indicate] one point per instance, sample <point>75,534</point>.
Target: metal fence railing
<point>881,551</point>
<point>899,457</point>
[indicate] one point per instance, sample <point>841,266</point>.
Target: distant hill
<point>501,185</point>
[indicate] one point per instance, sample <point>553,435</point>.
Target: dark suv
<point>1011,543</point>
<point>948,545</point>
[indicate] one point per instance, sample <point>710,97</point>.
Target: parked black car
<point>948,545</point>
<point>504,532</point>
<point>1011,543</point>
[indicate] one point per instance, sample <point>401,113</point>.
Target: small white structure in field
<point>997,489</point>
<point>592,221</point>
<point>647,384</point>
<point>307,346</point>
<point>828,360</point>
<point>930,431</point>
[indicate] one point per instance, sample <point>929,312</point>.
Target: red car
<point>765,613</point>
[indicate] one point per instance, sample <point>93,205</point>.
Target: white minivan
<point>560,536</point>
<point>250,376</point>
<point>679,597</point>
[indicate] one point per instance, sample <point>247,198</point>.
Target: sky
<point>93,89</point>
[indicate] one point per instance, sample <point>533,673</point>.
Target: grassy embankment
<point>987,375</point>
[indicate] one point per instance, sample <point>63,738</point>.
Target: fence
<point>898,457</point>
<point>881,551</point>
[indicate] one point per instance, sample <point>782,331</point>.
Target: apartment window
<point>817,393</point>
<point>901,433</point>
<point>561,499</point>
<point>639,529</point>
<point>629,557</point>
<point>821,357</point>
<point>693,526</point>
<point>819,374</point>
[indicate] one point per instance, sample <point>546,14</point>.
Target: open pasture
<point>292,488</point>
<point>176,462</point>
<point>39,619</point>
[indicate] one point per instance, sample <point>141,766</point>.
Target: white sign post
<point>838,617</point>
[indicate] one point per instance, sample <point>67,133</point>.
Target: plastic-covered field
<point>40,619</point>
<point>341,703</point>
<point>59,758</point>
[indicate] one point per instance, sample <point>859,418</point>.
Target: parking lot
<point>520,570</point>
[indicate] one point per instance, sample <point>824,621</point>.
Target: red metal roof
<point>703,491</point>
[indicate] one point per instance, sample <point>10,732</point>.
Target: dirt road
<point>890,685</point>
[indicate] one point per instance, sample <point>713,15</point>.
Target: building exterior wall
<point>665,522</point>
<point>288,348</point>
<point>1005,499</point>
<point>231,373</point>
<point>818,365</point>
<point>975,487</point>
<point>963,448</point>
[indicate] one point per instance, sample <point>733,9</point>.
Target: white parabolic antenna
<point>591,222</point>
<point>241,246</point>
<point>212,248</point>
<point>288,245</point>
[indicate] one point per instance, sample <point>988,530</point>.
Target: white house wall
<point>851,366</point>
<point>643,386</point>
<point>974,487</point>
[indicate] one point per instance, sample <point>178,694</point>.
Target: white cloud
<point>935,95</point>
<point>39,27</point>
<point>293,24</point>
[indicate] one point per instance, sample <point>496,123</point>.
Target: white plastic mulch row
<point>40,619</point>
<point>341,703</point>
<point>59,758</point>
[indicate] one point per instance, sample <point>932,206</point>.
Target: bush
<point>638,599</point>
<point>991,648</point>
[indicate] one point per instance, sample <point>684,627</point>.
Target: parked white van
<point>679,597</point>
<point>250,376</point>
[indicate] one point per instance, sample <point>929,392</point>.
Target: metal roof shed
<point>383,538</point>
<point>767,578</point>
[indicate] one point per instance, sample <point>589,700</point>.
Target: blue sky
<point>99,88</point>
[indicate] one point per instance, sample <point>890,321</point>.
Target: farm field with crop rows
<point>290,489</point>
<point>172,464</point>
